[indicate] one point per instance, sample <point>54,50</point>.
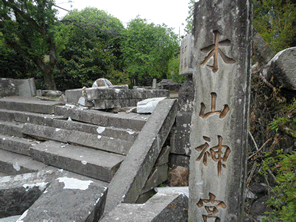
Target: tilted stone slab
<point>28,104</point>
<point>21,191</point>
<point>68,199</point>
<point>76,137</point>
<point>88,162</point>
<point>15,144</point>
<point>12,163</point>
<point>10,128</point>
<point>120,120</point>
<point>163,206</point>
<point>123,134</point>
<point>135,169</point>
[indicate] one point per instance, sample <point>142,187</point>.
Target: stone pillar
<point>154,84</point>
<point>221,53</point>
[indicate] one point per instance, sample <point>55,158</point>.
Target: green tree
<point>275,21</point>
<point>92,50</point>
<point>27,28</point>
<point>146,50</point>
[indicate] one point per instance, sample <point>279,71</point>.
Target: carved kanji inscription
<point>211,205</point>
<point>213,107</point>
<point>215,50</point>
<point>215,152</point>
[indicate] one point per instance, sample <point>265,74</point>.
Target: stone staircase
<point>38,135</point>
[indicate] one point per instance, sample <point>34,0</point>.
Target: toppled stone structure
<point>107,98</point>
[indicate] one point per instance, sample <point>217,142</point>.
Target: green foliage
<point>146,50</point>
<point>27,28</point>
<point>189,19</point>
<point>283,198</point>
<point>275,21</point>
<point>173,70</point>
<point>91,49</point>
<point>118,78</point>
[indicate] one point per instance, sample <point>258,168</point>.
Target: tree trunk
<point>49,79</point>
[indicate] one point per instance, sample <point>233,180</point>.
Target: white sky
<point>171,13</point>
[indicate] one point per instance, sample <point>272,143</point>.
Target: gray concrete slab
<point>15,144</point>
<point>27,117</point>
<point>68,199</point>
<point>19,192</point>
<point>126,187</point>
<point>89,162</point>
<point>10,128</point>
<point>80,138</point>
<point>28,104</point>
<point>123,120</point>
<point>12,163</point>
<point>122,134</point>
<point>163,206</point>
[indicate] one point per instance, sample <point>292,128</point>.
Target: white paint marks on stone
<point>84,162</point>
<point>184,125</point>
<point>100,129</point>
<point>238,141</point>
<point>99,137</point>
<point>5,179</point>
<point>41,186</point>
<point>240,101</point>
<point>117,90</point>
<point>28,119</point>
<point>4,139</point>
<point>57,129</point>
<point>75,184</point>
<point>23,216</point>
<point>130,132</point>
<point>16,167</point>
<point>69,119</point>
<point>111,138</point>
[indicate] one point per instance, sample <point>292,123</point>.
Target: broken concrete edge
<point>126,187</point>
<point>39,183</point>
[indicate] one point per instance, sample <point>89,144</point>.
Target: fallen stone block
<point>17,87</point>
<point>158,176</point>
<point>142,156</point>
<point>148,105</point>
<point>164,206</point>
<point>68,199</point>
<point>89,162</point>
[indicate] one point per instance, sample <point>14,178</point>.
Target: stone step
<point>124,120</point>
<point>27,117</point>
<point>95,141</point>
<point>16,144</point>
<point>11,128</point>
<point>88,162</point>
<point>12,163</point>
<point>28,104</point>
<point>122,134</point>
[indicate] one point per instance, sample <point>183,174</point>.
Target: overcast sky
<point>171,13</point>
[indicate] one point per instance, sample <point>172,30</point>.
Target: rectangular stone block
<point>219,125</point>
<point>15,144</point>
<point>68,199</point>
<point>186,57</point>
<point>11,128</point>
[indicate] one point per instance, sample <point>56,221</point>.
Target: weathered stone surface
<point>122,134</point>
<point>262,53</point>
<point>101,82</point>
<point>15,144</point>
<point>163,156</point>
<point>219,125</point>
<point>260,206</point>
<point>186,95</point>
<point>163,206</point>
<point>17,87</point>
<point>68,199</point>
<point>76,137</point>
<point>53,93</point>
<point>178,176</point>
<point>12,163</point>
<point>148,105</point>
<point>89,162</point>
<point>131,121</point>
<point>12,129</point>
<point>125,187</point>
<point>28,104</point>
<point>179,160</point>
<point>180,135</point>
<point>11,219</point>
<point>158,176</point>
<point>169,84</point>
<point>186,57</point>
<point>282,69</point>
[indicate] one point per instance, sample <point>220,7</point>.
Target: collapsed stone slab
<point>166,205</point>
<point>17,87</point>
